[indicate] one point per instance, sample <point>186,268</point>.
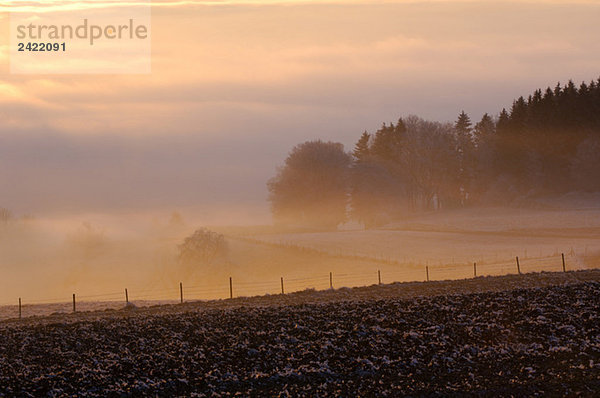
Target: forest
<point>546,144</point>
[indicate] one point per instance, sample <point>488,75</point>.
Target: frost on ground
<point>520,341</point>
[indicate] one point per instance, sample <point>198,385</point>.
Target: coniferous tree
<point>388,140</point>
<point>376,178</point>
<point>484,130</point>
<point>539,140</point>
<point>466,154</point>
<point>484,137</point>
<point>463,124</point>
<point>361,149</point>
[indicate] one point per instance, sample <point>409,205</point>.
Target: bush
<point>202,247</point>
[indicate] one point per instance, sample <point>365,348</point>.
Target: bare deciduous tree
<point>311,189</point>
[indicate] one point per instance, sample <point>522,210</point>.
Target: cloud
<point>60,6</point>
<point>233,88</point>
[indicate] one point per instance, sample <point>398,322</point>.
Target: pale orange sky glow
<point>235,84</point>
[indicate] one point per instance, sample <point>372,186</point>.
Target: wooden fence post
<point>126,296</point>
<point>19,307</point>
<point>474,270</point>
<point>331,280</point>
<point>563,260</point>
<point>427,271</point>
<point>181,292</point>
<point>379,276</point>
<point>230,288</point>
<point>282,291</point>
<point>518,266</point>
<point>74,308</point>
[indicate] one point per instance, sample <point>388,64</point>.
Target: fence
<point>234,288</point>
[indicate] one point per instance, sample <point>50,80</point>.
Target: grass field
<point>459,238</point>
<point>43,268</point>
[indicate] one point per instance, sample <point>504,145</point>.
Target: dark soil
<point>529,341</point>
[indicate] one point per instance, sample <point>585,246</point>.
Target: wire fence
<point>236,288</point>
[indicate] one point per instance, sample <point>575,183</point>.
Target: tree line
<point>545,144</point>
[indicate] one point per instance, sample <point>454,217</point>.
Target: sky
<point>235,84</point>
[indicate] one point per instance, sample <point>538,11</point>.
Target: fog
<point>98,255</point>
<point>234,87</point>
<point>93,167</point>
